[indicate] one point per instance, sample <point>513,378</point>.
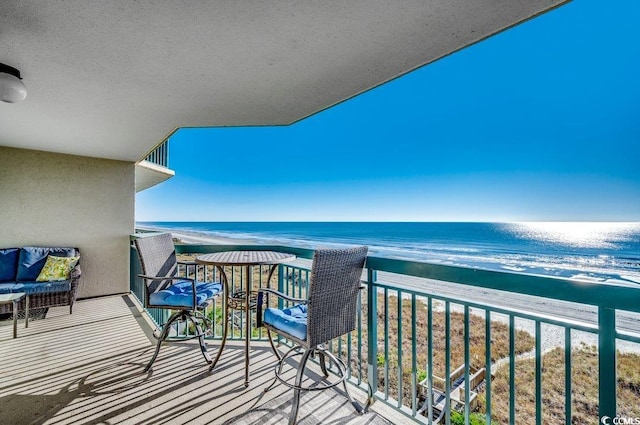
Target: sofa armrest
<point>75,281</point>
<point>76,272</point>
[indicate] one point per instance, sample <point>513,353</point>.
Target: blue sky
<point>539,123</point>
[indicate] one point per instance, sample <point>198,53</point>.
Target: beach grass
<point>400,361</point>
<point>584,377</point>
<point>584,392</point>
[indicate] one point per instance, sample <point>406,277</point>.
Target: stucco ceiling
<point>111,79</point>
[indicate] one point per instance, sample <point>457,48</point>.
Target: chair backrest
<point>158,258</point>
<point>333,293</point>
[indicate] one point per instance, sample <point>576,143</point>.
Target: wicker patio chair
<point>329,312</point>
<point>164,289</point>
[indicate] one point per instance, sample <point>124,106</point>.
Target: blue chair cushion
<point>6,287</point>
<point>32,259</point>
<point>291,320</point>
<point>42,287</point>
<point>8,264</point>
<point>180,294</point>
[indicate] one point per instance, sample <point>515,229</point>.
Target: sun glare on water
<point>577,234</point>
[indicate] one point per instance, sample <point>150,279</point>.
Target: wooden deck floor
<point>86,368</point>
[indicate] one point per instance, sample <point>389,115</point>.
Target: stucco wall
<point>65,200</point>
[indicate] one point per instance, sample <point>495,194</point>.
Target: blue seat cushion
<point>6,287</point>
<point>32,259</point>
<point>180,294</point>
<point>8,264</point>
<point>291,320</point>
<point>31,288</point>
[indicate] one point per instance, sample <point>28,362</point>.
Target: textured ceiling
<point>112,79</point>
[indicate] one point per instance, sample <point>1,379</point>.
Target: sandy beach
<point>552,336</point>
<point>201,238</point>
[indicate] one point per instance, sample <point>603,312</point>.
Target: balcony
<point>87,368</point>
<point>424,331</point>
<point>154,168</point>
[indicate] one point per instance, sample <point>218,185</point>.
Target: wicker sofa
<point>20,269</point>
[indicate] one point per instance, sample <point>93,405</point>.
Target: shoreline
<point>552,336</point>
<point>501,251</point>
<point>194,237</point>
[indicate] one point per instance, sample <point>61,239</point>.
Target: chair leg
<point>292,352</point>
<point>273,347</point>
<point>225,331</point>
<point>323,365</point>
<point>203,345</point>
<point>163,335</point>
<point>296,392</point>
<point>343,369</point>
<point>323,356</point>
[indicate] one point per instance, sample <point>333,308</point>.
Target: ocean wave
<point>482,246</point>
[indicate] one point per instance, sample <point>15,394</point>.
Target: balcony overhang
<point>149,174</point>
<point>113,79</point>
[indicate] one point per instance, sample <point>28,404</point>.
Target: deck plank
<point>86,368</point>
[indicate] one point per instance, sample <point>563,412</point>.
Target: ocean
<point>594,251</point>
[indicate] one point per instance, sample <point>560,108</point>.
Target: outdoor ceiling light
<point>12,89</point>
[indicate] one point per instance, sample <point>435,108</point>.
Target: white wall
<point>49,199</point>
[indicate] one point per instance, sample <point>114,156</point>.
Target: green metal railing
<point>416,347</point>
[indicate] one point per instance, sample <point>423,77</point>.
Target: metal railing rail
<point>383,333</point>
<point>160,155</point>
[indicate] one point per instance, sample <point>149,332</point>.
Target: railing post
<point>281,269</point>
<point>132,276</point>
<point>607,362</point>
<point>372,333</point>
<point>165,153</point>
<point>135,282</point>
